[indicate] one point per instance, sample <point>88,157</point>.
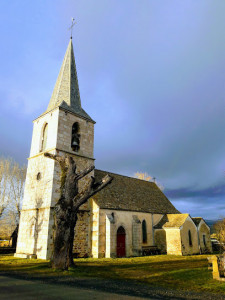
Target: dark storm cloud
<point>210,192</point>
<point>212,208</point>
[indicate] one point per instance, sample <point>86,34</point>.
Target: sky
<point>151,74</point>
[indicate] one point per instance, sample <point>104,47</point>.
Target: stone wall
<point>81,245</point>
<point>157,218</point>
<point>38,127</point>
<point>203,229</point>
<point>173,241</point>
<point>136,236</point>
<point>94,234</point>
<point>86,131</point>
<point>111,220</point>
<point>42,186</point>
<point>160,240</point>
<point>102,234</point>
<point>186,248</point>
<point>33,232</point>
<point>35,213</point>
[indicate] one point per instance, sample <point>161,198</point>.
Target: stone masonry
<point>35,237</point>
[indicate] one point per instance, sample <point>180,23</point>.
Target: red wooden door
<point>121,242</point>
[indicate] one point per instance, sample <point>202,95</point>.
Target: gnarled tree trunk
<point>65,211</point>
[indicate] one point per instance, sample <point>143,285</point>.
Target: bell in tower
<point>75,141</point>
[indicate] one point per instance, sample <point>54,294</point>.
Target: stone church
<point>124,219</point>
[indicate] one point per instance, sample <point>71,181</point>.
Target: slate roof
<point>131,194</point>
<point>66,94</point>
<point>160,224</point>
<point>171,221</point>
<point>197,221</point>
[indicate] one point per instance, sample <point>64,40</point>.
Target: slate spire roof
<point>66,92</point>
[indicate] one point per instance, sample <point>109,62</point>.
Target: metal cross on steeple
<point>71,27</point>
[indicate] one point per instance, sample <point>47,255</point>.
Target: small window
<point>44,137</point>
<point>144,232</point>
<point>189,237</point>
<point>38,176</point>
<point>75,139</point>
<point>204,241</point>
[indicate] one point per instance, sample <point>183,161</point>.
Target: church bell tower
<point>63,129</point>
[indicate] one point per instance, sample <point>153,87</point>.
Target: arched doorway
<point>121,242</point>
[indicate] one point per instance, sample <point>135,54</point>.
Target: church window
<point>44,137</point>
<point>144,232</point>
<point>38,176</point>
<point>75,140</point>
<point>189,237</point>
<point>121,242</point>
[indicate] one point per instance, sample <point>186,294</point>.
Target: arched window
<point>75,139</point>
<point>144,232</point>
<point>44,137</point>
<point>121,242</point>
<point>189,237</point>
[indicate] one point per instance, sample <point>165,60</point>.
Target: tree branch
<point>84,172</point>
<point>49,155</point>
<point>60,159</point>
<point>82,197</point>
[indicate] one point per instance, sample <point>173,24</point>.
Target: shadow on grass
<point>169,273</point>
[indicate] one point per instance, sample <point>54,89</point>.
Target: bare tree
<point>219,228</point>
<point>66,208</point>
<point>12,178</point>
<point>145,176</point>
<point>4,184</point>
<point>17,180</point>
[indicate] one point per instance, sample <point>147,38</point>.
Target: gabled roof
<point>197,221</point>
<point>162,221</point>
<point>171,221</point>
<point>66,94</point>
<point>132,194</point>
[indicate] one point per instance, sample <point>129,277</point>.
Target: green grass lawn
<point>173,272</point>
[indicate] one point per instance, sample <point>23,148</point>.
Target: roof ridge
<point>128,177</point>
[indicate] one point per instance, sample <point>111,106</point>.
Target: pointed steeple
<point>66,92</point>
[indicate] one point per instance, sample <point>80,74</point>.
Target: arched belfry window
<point>189,237</point>
<point>75,139</point>
<point>44,137</point>
<point>144,232</point>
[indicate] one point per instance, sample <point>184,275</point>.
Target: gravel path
<point>18,286</point>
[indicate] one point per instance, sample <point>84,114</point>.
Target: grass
<point>172,272</point>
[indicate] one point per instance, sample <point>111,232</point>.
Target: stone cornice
<point>57,149</point>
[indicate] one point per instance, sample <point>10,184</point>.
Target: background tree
<point>145,176</point>
<point>65,211</point>
<point>12,178</point>
<point>4,184</point>
<point>219,229</point>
